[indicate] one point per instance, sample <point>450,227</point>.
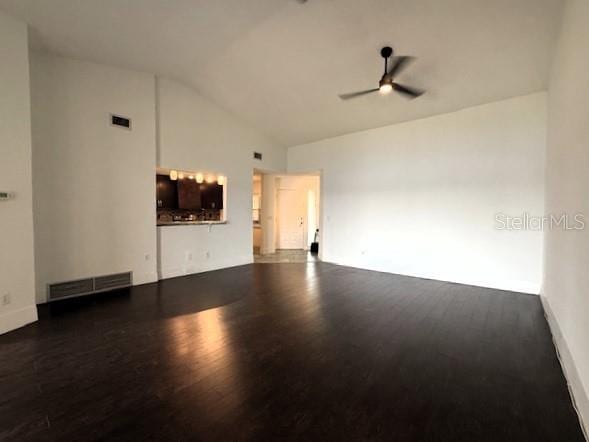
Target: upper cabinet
<point>211,196</point>
<point>167,192</point>
<point>189,195</point>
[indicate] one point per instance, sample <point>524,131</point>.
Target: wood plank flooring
<point>287,352</point>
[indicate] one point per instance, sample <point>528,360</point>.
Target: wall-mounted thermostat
<point>117,120</point>
<point>5,196</point>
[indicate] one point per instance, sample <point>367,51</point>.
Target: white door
<point>291,219</point>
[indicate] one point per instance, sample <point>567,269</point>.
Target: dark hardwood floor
<point>287,352</point>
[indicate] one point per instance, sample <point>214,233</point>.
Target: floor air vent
<point>88,286</point>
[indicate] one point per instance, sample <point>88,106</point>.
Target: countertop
<point>189,223</point>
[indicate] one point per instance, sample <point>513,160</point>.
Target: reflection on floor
<point>285,256</point>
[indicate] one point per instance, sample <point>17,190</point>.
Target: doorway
<point>256,213</point>
<point>288,218</point>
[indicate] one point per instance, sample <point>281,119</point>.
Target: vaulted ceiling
<point>280,64</point>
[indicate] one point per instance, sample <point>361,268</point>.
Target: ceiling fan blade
<point>408,91</point>
<point>399,63</point>
<point>357,94</point>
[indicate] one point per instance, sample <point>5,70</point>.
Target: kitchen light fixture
<point>173,175</point>
<point>190,177</point>
<point>199,178</point>
<point>210,178</point>
<point>221,180</point>
<point>180,176</point>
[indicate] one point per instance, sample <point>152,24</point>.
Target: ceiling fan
<point>387,83</point>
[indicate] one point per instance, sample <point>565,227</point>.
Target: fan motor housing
<point>386,52</point>
<point>385,80</point>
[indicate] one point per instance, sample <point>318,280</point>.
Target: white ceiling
<point>280,65</point>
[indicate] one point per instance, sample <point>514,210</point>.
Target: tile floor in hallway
<point>285,256</point>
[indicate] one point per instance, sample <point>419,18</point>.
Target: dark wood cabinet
<point>211,195</point>
<point>166,192</point>
<point>189,195</point>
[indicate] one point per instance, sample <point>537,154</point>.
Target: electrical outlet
<point>208,254</point>
<point>188,256</point>
<point>147,257</point>
<point>6,299</point>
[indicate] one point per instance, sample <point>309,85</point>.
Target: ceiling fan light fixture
<point>387,84</point>
<point>385,88</point>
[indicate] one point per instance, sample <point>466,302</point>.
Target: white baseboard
<point>576,390</point>
<point>17,318</point>
<point>144,278</point>
<point>506,285</point>
<point>205,266</point>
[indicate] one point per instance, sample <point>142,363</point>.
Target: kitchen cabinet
<point>211,196</point>
<point>189,195</point>
<point>167,192</point>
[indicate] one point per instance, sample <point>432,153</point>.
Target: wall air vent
<point>257,156</point>
<point>117,120</point>
<point>88,286</point>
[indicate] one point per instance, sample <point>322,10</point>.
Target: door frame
<point>322,221</point>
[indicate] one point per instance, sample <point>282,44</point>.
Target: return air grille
<point>112,281</point>
<point>117,120</point>
<point>89,286</point>
<point>71,288</point>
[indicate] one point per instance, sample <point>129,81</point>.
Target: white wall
<point>195,134</point>
<point>94,184</point>
<point>419,198</point>
<point>17,271</point>
<point>566,277</point>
